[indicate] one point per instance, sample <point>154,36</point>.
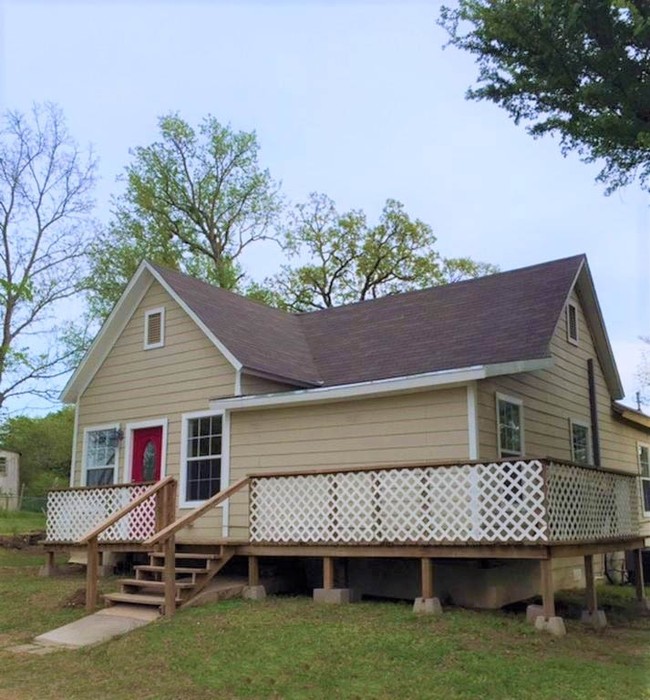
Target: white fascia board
<point>210,335</point>
<point>379,387</point>
<point>108,334</point>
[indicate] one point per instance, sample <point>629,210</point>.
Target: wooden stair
<point>193,570</point>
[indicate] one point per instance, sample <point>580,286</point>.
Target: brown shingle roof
<point>506,317</point>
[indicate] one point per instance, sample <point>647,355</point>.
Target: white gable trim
<point>446,378</point>
<point>112,328</point>
<point>583,284</point>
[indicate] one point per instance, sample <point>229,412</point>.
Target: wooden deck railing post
<point>169,575</point>
<point>92,566</point>
<point>161,509</point>
<point>172,489</point>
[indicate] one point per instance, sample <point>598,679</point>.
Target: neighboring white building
<point>9,479</point>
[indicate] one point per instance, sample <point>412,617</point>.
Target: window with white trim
<point>510,429</point>
<point>100,456</point>
<point>154,328</point>
<point>580,442</point>
<point>572,323</point>
<point>203,452</point>
<point>3,466</point>
<point>644,471</point>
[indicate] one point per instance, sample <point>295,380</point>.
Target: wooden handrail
<point>101,486</point>
<point>186,520</point>
<point>93,534</point>
<point>434,464</point>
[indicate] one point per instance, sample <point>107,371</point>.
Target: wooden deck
<point>533,509</point>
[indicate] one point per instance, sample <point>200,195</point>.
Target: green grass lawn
<point>292,648</point>
<point>17,523</point>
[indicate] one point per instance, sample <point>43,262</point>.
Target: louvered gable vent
<point>154,328</point>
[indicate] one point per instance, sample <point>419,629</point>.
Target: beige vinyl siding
<point>134,384</point>
<point>425,426</point>
<point>552,397</point>
<point>251,384</point>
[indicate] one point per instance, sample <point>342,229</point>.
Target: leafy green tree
<point>576,69</point>
<point>45,203</point>
<point>45,445</point>
<point>194,200</point>
<point>350,260</point>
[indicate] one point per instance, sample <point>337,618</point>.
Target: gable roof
<point>501,319</point>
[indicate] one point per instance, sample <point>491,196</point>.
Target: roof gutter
<point>378,387</point>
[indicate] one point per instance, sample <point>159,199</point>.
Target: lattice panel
<point>71,514</point>
<point>500,502</point>
<point>590,505</point>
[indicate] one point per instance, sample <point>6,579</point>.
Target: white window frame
<point>147,314</point>
<point>128,445</point>
<point>84,452</point>
<point>225,459</point>
<point>639,446</point>
<point>576,340</point>
<point>513,400</point>
<point>4,469</point>
<point>582,424</point>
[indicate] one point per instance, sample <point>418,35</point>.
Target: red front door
<point>147,450</point>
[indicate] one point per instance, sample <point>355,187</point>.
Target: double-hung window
<point>580,442</point>
<point>510,427</point>
<point>100,455</point>
<point>644,470</point>
<point>203,457</point>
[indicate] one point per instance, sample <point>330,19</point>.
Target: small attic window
<point>154,328</point>
<point>572,323</point>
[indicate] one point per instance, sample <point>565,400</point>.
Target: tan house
<point>471,429</point>
<point>9,479</point>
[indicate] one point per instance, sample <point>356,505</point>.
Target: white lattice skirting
<point>73,513</point>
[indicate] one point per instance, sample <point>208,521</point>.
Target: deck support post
<point>329,594</point>
<point>254,590</point>
<point>92,571</point>
<point>328,573</point>
<point>638,577</point>
<point>590,585</point>
<point>639,583</point>
<point>426,603</point>
<point>253,571</point>
<point>547,620</point>
<point>49,568</point>
<point>548,593</point>
<point>427,578</point>
<point>592,616</point>
<point>169,575</point>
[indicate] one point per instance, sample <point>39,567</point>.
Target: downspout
<point>472,420</point>
<point>73,459</point>
<point>593,410</point>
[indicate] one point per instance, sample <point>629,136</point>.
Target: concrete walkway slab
<point>97,628</point>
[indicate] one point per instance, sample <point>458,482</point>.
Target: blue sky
<point>358,100</point>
